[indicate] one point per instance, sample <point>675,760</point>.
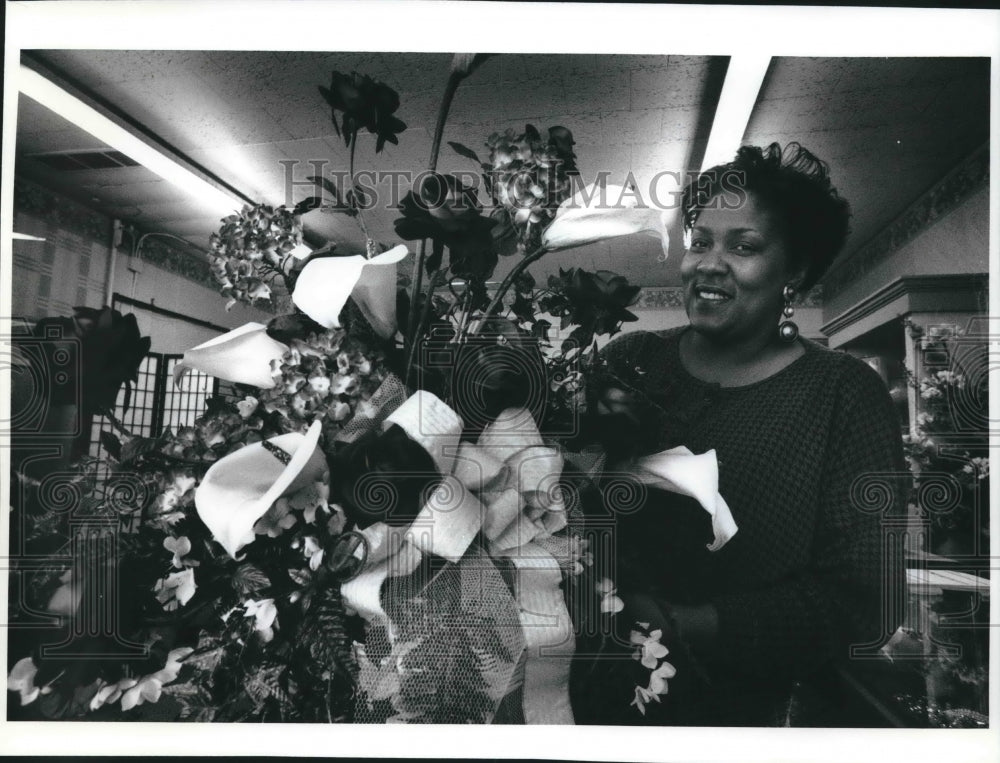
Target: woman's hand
<point>616,401</point>
<point>622,422</point>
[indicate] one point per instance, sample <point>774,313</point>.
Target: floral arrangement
<point>252,249</point>
<point>950,410</point>
<point>366,533</point>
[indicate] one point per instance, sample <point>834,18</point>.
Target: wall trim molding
<point>943,293</point>
<point>967,178</point>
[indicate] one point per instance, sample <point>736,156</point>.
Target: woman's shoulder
<point>643,358</point>
<point>633,342</point>
<point>845,374</point>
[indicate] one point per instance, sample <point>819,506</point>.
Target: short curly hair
<point>795,187</point>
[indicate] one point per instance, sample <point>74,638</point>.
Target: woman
<point>793,424</point>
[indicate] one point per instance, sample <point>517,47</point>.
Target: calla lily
<point>595,214</point>
<point>243,355</point>
<point>463,64</point>
<point>325,284</point>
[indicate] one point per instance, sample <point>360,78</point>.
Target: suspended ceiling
<point>888,127</point>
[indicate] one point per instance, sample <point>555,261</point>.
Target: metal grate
<point>157,403</point>
<point>70,161</point>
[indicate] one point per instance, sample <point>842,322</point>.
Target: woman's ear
<point>796,277</point>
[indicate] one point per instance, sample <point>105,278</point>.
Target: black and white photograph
<point>633,375</point>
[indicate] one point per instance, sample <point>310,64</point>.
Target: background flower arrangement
<point>262,631</point>
<point>949,440</point>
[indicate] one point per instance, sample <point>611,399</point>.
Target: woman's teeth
<point>716,296</point>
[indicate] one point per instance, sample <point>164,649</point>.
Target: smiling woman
<point>796,429</point>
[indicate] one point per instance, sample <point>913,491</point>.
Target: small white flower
<point>111,693</point>
<point>650,651</point>
<point>610,602</point>
<point>313,552</point>
<point>642,698</point>
<point>179,547</point>
<point>320,384</point>
<point>658,678</point>
<point>345,385</point>
<point>247,406</point>
<point>176,589</point>
<point>146,689</point>
<point>340,411</point>
<point>265,614</point>
<point>173,665</point>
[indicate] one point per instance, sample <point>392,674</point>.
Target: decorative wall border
<point>943,293</point>
<point>967,178</point>
<point>61,211</point>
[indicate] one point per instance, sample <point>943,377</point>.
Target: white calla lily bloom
<point>324,285</point>
<point>243,356</point>
<point>595,214</point>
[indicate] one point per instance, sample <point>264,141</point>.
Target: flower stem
<point>115,422</point>
<point>354,195</point>
<point>466,312</point>
<point>507,283</point>
<point>416,328</point>
<point>422,325</point>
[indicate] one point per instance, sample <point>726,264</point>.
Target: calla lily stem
<point>354,195</point>
<point>508,282</point>
<point>416,327</point>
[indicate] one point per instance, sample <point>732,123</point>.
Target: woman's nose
<point>711,262</point>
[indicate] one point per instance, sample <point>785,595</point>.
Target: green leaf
<point>540,329</point>
<point>135,447</point>
<point>465,151</point>
<point>250,579</point>
<point>523,308</point>
<point>112,445</point>
<point>504,234</point>
<point>433,263</point>
<point>307,205</point>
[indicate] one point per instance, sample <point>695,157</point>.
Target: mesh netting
<point>387,398</point>
<point>452,649</point>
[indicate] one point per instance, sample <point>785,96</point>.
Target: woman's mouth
<point>712,294</point>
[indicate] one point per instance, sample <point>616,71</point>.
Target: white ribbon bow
<point>503,486</point>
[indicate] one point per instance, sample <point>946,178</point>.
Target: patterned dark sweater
<point>803,578</point>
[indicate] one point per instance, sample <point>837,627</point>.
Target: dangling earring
<point>788,331</point>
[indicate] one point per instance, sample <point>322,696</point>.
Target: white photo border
<point>420,25</point>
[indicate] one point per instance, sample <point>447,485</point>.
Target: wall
<point>946,231</point>
<point>69,269</point>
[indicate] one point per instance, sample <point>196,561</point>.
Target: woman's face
<point>734,271</point>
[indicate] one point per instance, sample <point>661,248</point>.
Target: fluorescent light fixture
<point>68,106</point>
<point>744,78</point>
<point>24,237</point>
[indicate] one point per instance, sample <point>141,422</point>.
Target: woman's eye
<point>744,248</point>
<point>699,245</point>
